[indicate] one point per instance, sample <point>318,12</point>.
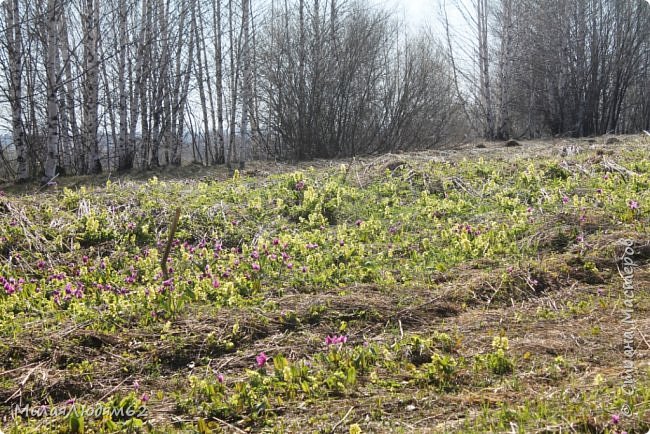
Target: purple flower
<point>276,241</point>
<point>304,269</point>
<point>261,359</point>
<point>220,378</point>
<point>312,246</point>
<point>341,243</point>
<point>633,204</point>
<point>358,222</point>
<point>290,266</point>
<point>256,266</point>
<point>136,385</point>
<point>565,199</point>
<point>300,185</point>
<point>333,340</point>
<point>599,191</point>
<point>616,419</point>
<point>144,397</point>
<point>255,254</point>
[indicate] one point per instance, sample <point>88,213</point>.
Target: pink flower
<point>616,419</point>
<point>256,266</point>
<point>136,385</point>
<point>220,378</point>
<point>633,204</point>
<point>341,243</point>
<point>333,340</point>
<point>261,359</point>
<point>290,266</point>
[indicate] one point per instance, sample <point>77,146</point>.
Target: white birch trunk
<point>52,78</point>
<point>15,54</point>
<point>216,20</point>
<point>247,84</point>
<point>124,153</point>
<point>91,85</point>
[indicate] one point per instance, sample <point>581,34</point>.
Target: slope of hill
<point>476,290</point>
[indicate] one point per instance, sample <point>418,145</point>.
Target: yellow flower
<point>355,429</point>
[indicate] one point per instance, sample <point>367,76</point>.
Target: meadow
<point>476,290</point>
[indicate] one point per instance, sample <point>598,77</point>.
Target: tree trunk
<point>247,85</point>
<point>52,78</point>
<point>15,55</point>
<point>218,54</point>
<point>124,153</point>
<point>91,85</point>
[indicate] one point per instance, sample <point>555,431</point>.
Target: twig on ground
<point>114,389</point>
<point>22,383</point>
<point>643,337</point>
<point>229,425</point>
<point>340,422</point>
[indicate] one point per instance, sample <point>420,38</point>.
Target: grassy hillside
<point>480,290</point>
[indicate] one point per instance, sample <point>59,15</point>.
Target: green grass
<point>475,293</point>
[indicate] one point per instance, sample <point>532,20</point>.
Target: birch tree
<point>15,54</point>
<point>247,85</point>
<point>90,24</point>
<point>53,82</point>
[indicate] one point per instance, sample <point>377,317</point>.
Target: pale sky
<point>414,12</point>
<point>417,13</point>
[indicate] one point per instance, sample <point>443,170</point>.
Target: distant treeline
<point>91,85</point>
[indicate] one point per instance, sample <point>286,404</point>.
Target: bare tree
<point>53,82</point>
<point>15,54</point>
<point>90,24</point>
